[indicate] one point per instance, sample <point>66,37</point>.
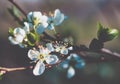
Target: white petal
<point>70,48</point>
<point>45,24</point>
<point>12,40</point>
<point>52,59</point>
<point>32,54</point>
<point>27,27</point>
<point>19,38</point>
<point>70,72</point>
<point>44,18</point>
<point>45,51</point>
<point>58,17</point>
<point>50,47</point>
<point>40,29</point>
<point>39,68</point>
<point>19,31</point>
<point>29,16</point>
<point>65,64</point>
<point>64,51</point>
<point>37,15</point>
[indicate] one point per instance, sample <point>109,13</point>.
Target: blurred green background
<point>83,16</point>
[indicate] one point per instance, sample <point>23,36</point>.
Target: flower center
<point>36,21</point>
<point>41,57</point>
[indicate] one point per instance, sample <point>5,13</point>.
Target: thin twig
<point>108,52</point>
<point>15,4</point>
<point>15,69</point>
<point>105,55</point>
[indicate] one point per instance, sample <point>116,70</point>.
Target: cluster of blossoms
<point>36,23</point>
<point>72,63</point>
<point>46,56</point>
<point>28,35</point>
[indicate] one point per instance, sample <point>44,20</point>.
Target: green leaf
<point>32,39</point>
<point>113,33</point>
<point>100,29</point>
<point>10,31</point>
<point>106,34</point>
<point>99,26</point>
<point>16,14</point>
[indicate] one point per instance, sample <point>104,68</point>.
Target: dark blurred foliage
<point>83,16</point>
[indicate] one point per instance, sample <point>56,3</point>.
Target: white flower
<point>62,49</point>
<point>50,47</point>
<point>56,19</point>
<point>38,21</point>
<point>58,47</point>
<point>18,36</point>
<point>37,18</point>
<point>42,55</point>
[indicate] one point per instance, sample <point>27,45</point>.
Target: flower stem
<point>15,69</point>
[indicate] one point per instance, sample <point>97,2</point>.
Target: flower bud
<point>106,34</point>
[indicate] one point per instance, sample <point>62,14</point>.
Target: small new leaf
<point>113,33</point>
<point>10,32</point>
<point>99,26</point>
<point>106,34</point>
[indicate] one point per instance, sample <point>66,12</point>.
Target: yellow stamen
<point>41,57</point>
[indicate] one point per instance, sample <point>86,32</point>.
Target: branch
<point>105,55</point>
<point>108,52</point>
<point>14,69</point>
<point>15,4</point>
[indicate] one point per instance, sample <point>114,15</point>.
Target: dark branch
<point>105,55</point>
<point>15,4</point>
